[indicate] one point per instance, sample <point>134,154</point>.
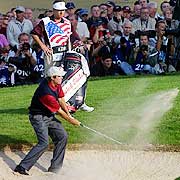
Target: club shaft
<point>101,134</point>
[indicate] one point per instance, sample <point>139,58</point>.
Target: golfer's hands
<point>75,121</point>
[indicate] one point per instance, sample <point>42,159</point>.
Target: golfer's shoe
<point>86,108</point>
<point>52,170</point>
<point>19,169</point>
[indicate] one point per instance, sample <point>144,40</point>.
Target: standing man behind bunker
<point>48,99</point>
<point>52,34</point>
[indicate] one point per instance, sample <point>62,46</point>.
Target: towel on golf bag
<point>75,81</point>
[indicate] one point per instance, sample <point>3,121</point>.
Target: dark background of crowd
<point>115,40</point>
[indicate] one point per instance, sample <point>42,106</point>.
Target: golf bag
<point>75,81</point>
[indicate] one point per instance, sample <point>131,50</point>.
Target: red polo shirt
<point>50,101</point>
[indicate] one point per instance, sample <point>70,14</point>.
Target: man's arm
<point>54,106</point>
<point>159,39</point>
<point>10,36</point>
<point>64,106</point>
<point>70,119</point>
<point>47,50</point>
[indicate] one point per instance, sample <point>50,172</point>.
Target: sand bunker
<point>98,165</point>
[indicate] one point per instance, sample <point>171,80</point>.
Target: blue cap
<point>70,5</point>
<point>83,12</point>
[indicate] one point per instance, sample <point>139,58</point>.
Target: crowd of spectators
<point>114,39</point>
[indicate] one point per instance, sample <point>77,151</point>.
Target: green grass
<point>116,100</point>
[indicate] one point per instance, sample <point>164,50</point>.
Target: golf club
<point>101,134</point>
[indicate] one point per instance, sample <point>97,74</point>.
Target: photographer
<point>105,66</point>
<point>163,41</point>
<point>100,32</point>
<point>121,56</point>
<point>172,27</point>
<point>146,56</point>
<point>100,38</point>
<point>6,69</point>
<point>24,59</point>
<point>123,49</point>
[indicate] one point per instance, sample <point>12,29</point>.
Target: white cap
<point>20,8</point>
<point>56,71</point>
<point>59,6</point>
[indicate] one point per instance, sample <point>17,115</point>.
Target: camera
<point>149,33</point>
<point>143,48</point>
<point>25,46</point>
<point>106,34</point>
<point>173,32</point>
<point>119,40</point>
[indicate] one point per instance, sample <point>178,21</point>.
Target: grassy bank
<point>118,102</point>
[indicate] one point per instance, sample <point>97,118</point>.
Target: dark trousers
<point>46,126</point>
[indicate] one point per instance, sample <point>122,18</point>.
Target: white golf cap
<point>20,8</point>
<point>59,6</point>
<point>56,71</point>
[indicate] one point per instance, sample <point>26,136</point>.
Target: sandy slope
<point>99,165</point>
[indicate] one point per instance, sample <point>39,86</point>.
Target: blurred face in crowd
<point>95,12</point>
<point>10,15</point>
<point>84,17</point>
<point>137,10</point>
<point>152,11</point>
<point>144,40</point>
<point>127,28</point>
<point>103,10</point>
<point>28,14</point>
<point>144,14</point>
<point>168,14</point>
<point>107,63</point>
<point>118,13</point>
<point>143,3</point>
<point>20,16</point>
<point>70,11</point>
<point>110,10</point>
<point>164,6</point>
<point>23,39</point>
<point>4,52</point>
<point>58,14</point>
<point>126,14</point>
<point>161,27</point>
<point>5,20</point>
<point>73,20</point>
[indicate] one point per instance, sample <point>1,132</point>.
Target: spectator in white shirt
<point>18,26</point>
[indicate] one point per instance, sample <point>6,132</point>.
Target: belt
<point>59,49</point>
